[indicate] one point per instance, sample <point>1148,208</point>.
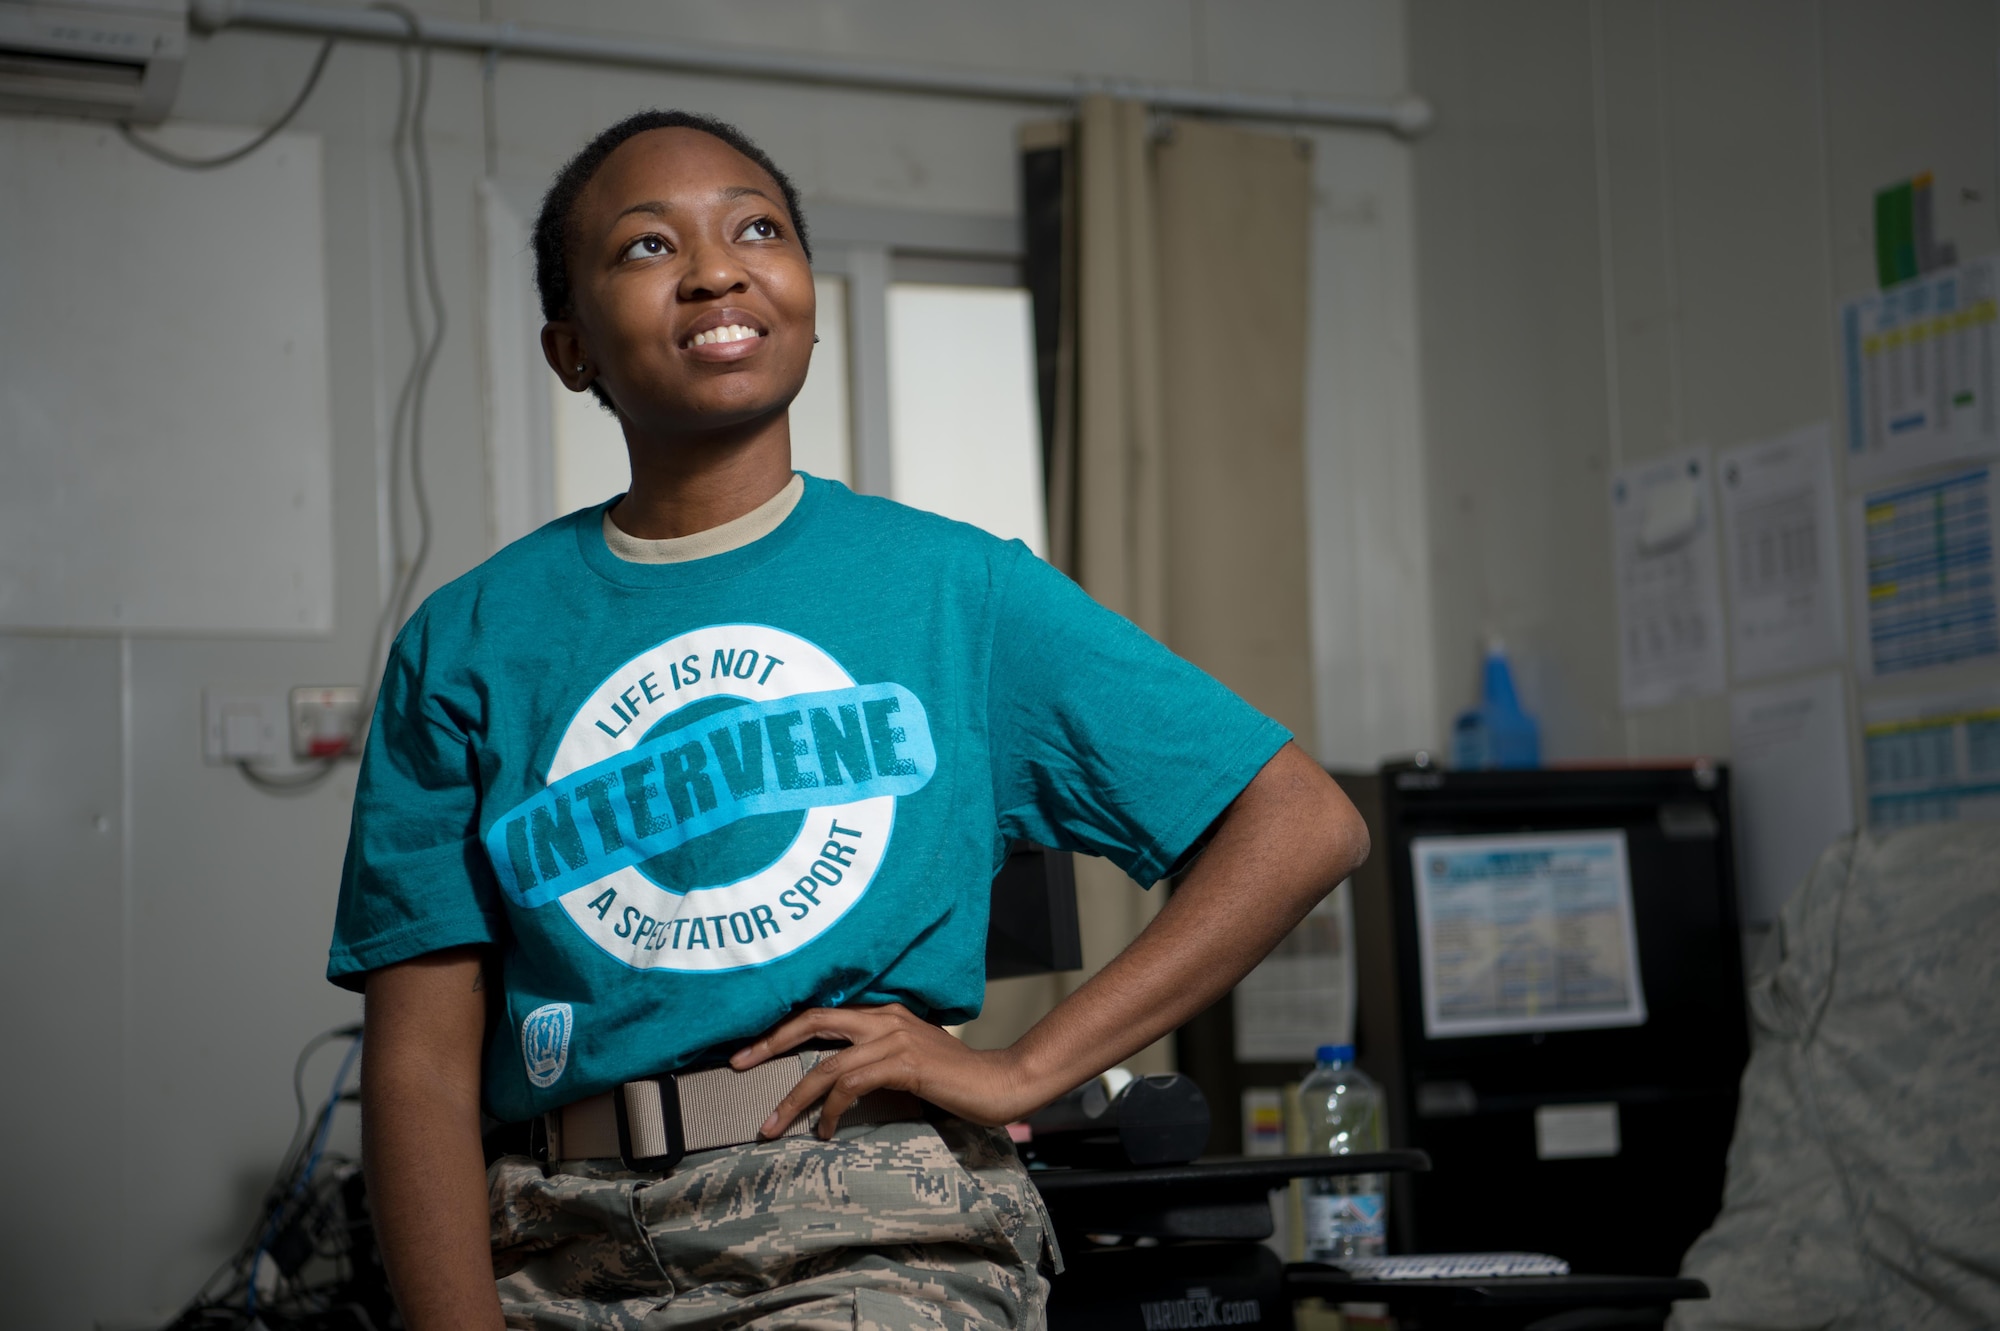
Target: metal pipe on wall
<point>1407,116</point>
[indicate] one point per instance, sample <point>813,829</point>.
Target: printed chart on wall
<point>1528,932</point>
<point>1792,783</point>
<point>1784,580</point>
<point>1669,599</point>
<point>1924,577</point>
<point>1301,996</point>
<point>1919,363</point>
<point>1932,760</point>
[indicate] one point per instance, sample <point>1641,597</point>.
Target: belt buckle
<point>670,1115</point>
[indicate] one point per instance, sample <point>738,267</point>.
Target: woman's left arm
<point>1284,843</point>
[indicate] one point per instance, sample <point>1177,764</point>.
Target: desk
<point>1518,1301</point>
<point>1188,1255</point>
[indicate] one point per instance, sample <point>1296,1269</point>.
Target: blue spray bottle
<point>1496,733</point>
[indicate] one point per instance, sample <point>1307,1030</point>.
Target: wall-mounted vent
<point>108,59</point>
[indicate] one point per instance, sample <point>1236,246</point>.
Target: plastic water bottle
<point>1342,1112</point>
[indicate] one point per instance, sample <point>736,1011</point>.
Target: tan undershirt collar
<point>734,534</point>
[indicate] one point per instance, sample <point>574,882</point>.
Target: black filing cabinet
<point>1480,1104</point>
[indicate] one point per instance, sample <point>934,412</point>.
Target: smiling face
<point>691,297</point>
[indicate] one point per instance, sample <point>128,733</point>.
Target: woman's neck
<point>693,485</point>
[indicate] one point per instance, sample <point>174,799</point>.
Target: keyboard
<point>1452,1266</point>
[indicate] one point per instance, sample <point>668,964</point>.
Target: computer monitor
<point>1552,991</point>
<point>1033,930</point>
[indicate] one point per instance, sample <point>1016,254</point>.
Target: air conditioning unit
<point>108,59</point>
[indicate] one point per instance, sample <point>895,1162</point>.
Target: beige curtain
<point>1188,490</point>
<point>1235,212</point>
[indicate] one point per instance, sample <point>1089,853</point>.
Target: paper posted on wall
<point>1791,779</point>
<point>1919,361</point>
<point>1669,598</point>
<point>1301,996</point>
<point>1778,522</point>
<point>1924,579</point>
<point>1526,932</point>
<point>1933,759</point>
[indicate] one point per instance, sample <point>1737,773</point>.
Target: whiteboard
<point>164,433</point>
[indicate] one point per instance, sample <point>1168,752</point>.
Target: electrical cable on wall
<point>172,158</point>
<point>413,181</point>
<point>424,302</point>
<point>424,305</point>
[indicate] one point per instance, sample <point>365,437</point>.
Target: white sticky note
<point>1576,1132</point>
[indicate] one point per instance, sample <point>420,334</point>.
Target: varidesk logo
<point>718,802</point>
<point>1199,1308</point>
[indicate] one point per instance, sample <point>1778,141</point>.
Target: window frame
<point>875,247</point>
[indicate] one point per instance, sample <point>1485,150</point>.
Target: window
<point>964,440</point>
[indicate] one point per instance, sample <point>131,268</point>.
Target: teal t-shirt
<point>687,800</point>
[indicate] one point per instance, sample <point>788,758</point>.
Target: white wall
<point>163,926</point>
<point>1366,474</point>
<point>1635,224</point>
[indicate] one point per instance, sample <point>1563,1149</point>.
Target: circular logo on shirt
<point>545,1036</point>
<point>719,801</point>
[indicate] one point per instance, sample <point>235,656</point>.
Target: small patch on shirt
<point>545,1042</point>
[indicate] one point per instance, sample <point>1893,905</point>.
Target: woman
<point>719,774</point>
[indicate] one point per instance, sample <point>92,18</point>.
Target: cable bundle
<point>309,1262</point>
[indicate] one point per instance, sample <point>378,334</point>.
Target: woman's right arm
<point>426,1021</point>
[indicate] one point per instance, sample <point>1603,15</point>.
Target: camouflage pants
<point>891,1227</point>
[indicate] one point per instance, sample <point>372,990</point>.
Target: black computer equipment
<point>1157,1119</point>
<point>1033,929</point>
<point>1655,1096</point>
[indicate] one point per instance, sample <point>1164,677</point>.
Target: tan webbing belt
<point>651,1123</point>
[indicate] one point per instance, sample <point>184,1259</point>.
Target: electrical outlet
<point>241,727</point>
<point>326,721</point>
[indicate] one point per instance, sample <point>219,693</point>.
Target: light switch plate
<point>241,727</point>
<point>326,720</point>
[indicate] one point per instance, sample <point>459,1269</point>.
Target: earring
<point>579,369</point>
<point>815,339</point>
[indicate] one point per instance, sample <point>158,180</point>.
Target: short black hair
<point>552,222</point>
